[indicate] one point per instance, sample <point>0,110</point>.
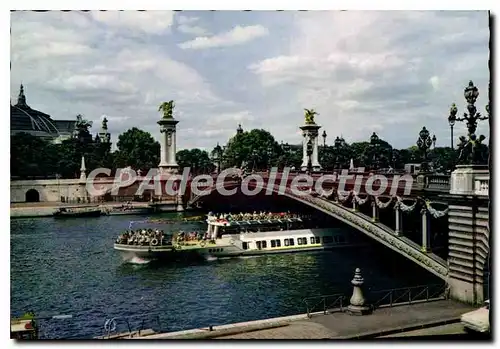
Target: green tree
<point>198,160</point>
<point>257,148</point>
<point>443,158</point>
<point>138,149</point>
<point>28,156</point>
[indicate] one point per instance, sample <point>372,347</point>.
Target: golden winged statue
<point>167,109</point>
<point>309,116</point>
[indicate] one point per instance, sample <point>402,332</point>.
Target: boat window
<point>278,243</point>
<point>259,245</point>
<point>304,241</point>
<point>317,239</point>
<point>273,243</point>
<point>209,250</point>
<point>327,239</point>
<point>264,244</point>
<point>341,239</point>
<point>292,242</point>
<point>221,249</point>
<point>287,242</point>
<point>245,245</point>
<point>312,240</point>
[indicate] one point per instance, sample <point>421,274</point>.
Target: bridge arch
<point>32,195</point>
<point>360,222</point>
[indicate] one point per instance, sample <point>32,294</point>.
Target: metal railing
<point>408,295</point>
<point>325,303</point>
<point>375,299</point>
<point>112,328</point>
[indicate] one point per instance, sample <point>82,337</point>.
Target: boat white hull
<point>232,246</point>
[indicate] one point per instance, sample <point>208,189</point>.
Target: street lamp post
<point>286,151</point>
<point>472,145</point>
<point>375,144</point>
<point>338,144</point>
<point>269,155</point>
<point>424,142</point>
<point>324,135</point>
<point>218,156</point>
<point>452,118</point>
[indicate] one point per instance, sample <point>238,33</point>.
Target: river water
<point>69,267</point>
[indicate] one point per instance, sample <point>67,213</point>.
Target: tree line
<point>33,157</point>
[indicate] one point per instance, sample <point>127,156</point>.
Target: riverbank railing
<point>328,304</point>
<point>407,295</point>
<point>325,303</point>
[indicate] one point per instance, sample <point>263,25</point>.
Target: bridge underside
<point>288,201</point>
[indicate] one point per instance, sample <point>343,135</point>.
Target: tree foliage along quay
<point>33,157</point>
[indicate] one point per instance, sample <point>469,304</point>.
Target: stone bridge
<point>465,264</point>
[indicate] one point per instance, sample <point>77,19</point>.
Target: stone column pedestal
<point>310,132</point>
<point>463,179</point>
<point>358,304</point>
<point>168,163</point>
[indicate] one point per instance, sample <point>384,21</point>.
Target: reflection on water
<point>70,267</point>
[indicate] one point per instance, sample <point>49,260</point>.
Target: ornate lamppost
<point>452,118</point>
<point>338,144</point>
<point>434,139</point>
<point>218,156</point>
<point>424,143</point>
<point>375,144</point>
<point>286,150</point>
<point>269,155</point>
<point>471,148</point>
<point>324,135</point>
<point>395,158</point>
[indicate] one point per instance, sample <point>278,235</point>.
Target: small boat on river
<point>126,209</point>
<point>237,235</point>
<point>78,211</point>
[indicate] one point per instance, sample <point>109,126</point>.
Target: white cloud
<point>236,36</point>
<point>185,19</point>
<point>192,29</point>
<point>185,25</point>
<point>365,70</point>
<point>151,22</point>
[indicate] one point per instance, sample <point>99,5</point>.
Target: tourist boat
<point>126,210</point>
<point>77,211</point>
<point>242,235</point>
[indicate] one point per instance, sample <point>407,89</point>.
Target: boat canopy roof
<point>253,222</point>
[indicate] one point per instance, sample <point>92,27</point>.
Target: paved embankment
<point>47,209</point>
<point>383,322</point>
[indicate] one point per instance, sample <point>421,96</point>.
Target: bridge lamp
<point>218,155</point>
<point>424,142</point>
<point>324,135</point>
<point>338,143</point>
<point>452,118</point>
<point>269,155</point>
<point>375,143</point>
<point>434,139</point>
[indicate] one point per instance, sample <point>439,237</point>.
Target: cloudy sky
<point>388,72</point>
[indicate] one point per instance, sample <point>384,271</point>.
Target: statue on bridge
<point>472,151</point>
<point>309,116</point>
<point>167,109</point>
